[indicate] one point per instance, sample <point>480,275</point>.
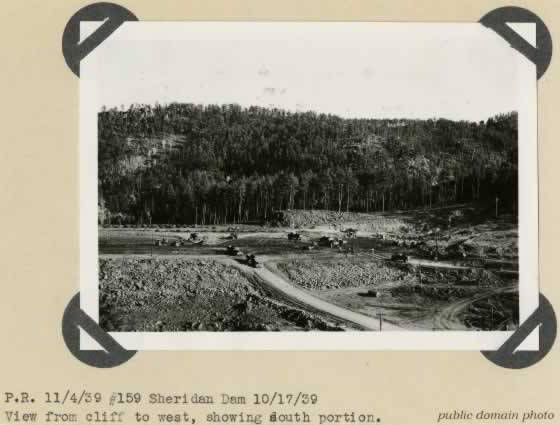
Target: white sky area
<point>459,71</point>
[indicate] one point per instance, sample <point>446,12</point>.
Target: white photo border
<point>301,341</point>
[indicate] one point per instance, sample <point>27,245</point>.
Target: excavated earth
<point>408,296</point>
<point>178,294</point>
<point>454,256</point>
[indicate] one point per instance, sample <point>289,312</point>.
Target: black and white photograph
<point>308,185</point>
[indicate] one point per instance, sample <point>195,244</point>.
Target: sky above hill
<point>362,70</point>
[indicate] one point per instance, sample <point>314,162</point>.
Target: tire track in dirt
<point>448,317</point>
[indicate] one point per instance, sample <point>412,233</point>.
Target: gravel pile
<point>469,277</point>
<point>346,274</point>
<point>341,274</point>
<point>339,220</point>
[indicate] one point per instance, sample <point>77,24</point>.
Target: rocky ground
<point>178,294</point>
<point>407,295</point>
<point>359,271</point>
<point>499,312</point>
<point>341,273</point>
<point>454,254</point>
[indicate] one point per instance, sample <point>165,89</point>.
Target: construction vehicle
<point>400,257</point>
<point>332,242</point>
<point>351,233</point>
<point>252,261</point>
<point>294,236</point>
<point>372,293</point>
<point>233,250</point>
<point>233,232</point>
<point>327,241</point>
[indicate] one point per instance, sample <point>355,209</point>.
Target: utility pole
<point>437,247</point>
<point>497,200</point>
<point>380,315</point>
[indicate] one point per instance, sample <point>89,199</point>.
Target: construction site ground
<point>461,273</point>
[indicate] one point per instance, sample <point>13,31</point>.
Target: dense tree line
<point>186,163</point>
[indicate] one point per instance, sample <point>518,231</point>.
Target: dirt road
<point>448,317</point>
<point>272,279</point>
<point>275,282</point>
<point>278,285</point>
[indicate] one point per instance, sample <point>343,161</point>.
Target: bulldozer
<point>252,261</point>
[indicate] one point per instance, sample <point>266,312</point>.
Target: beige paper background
<point>39,242</point>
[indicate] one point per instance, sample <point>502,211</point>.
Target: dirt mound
<point>347,273</point>
<point>459,277</point>
<point>338,220</point>
<point>341,274</point>
<point>481,241</point>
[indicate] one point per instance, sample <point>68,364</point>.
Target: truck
<point>327,241</point>
<point>252,261</point>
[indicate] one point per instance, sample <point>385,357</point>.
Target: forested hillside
<point>186,163</point>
